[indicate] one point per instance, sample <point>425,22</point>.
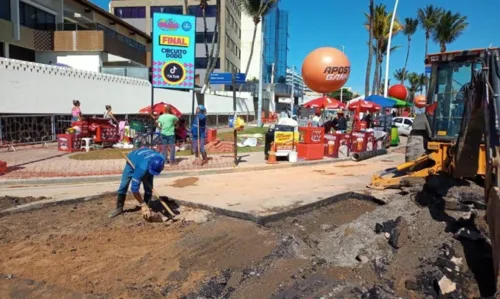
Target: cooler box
<point>358,143</point>
<point>331,146</point>
<point>370,143</point>
<point>343,145</point>
<point>309,135</point>
<point>69,142</point>
<point>311,151</point>
<point>211,135</point>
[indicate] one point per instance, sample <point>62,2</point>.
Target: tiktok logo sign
<point>173,73</point>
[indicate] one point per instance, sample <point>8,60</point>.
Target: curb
<point>117,177</point>
<point>261,220</point>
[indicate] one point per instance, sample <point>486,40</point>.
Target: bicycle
<point>143,139</point>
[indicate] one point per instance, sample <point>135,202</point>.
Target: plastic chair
<point>87,142</point>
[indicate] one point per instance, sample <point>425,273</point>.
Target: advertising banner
<point>173,50</point>
<point>284,140</point>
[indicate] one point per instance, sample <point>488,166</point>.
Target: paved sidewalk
<point>250,195</point>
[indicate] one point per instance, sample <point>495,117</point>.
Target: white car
<point>404,124</point>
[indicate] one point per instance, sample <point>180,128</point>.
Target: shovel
<point>154,191</point>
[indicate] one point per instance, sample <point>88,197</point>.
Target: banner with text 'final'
<point>173,51</point>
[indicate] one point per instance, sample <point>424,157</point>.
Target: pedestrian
<point>147,163</point>
<point>341,121</point>
<point>108,114</point>
<point>167,122</point>
<point>198,134</point>
<point>76,112</point>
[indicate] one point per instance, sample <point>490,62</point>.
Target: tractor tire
<point>415,147</point>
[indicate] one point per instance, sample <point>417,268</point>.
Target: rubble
<point>394,230</point>
<point>446,285</point>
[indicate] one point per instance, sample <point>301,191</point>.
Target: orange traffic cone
<point>272,155</point>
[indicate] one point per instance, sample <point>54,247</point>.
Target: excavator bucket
<point>420,168</point>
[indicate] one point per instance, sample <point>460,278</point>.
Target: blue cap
<point>156,165</point>
<point>201,107</point>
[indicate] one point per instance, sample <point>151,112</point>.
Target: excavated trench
<point>427,241</point>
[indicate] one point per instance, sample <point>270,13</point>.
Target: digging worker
<point>146,164</point>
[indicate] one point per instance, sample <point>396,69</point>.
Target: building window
<point>132,12</point>
<point>35,18</point>
<point>201,63</point>
<point>177,10</point>
<point>200,37</point>
<point>5,10</point>
<point>210,12</point>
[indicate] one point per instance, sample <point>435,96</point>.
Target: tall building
<point>247,30</point>
<point>294,78</point>
<point>72,33</point>
<point>139,13</point>
<point>275,45</point>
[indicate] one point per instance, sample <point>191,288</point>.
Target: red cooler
<point>312,151</point>
<point>331,146</point>
<point>358,143</point>
<point>370,141</point>
<point>310,135</point>
<point>343,145</point>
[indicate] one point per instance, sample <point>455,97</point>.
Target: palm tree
<point>423,80</point>
<point>409,30</point>
<point>370,49</point>
<point>381,28</point>
<point>186,10</point>
<point>414,84</point>
<point>449,27</point>
<point>428,18</point>
<point>400,75</point>
<point>256,9</point>
<point>383,53</point>
<point>213,57</point>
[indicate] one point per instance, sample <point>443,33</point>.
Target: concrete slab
<point>259,196</point>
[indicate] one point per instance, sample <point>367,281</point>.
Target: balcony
<point>94,37</point>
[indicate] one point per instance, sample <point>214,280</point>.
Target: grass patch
<point>116,153</point>
<point>228,136</point>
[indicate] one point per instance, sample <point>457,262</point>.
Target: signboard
<point>226,78</point>
<point>284,140</point>
<point>285,100</point>
<point>173,51</point>
<point>428,69</point>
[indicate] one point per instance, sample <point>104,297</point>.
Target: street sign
<point>428,69</point>
<point>226,78</point>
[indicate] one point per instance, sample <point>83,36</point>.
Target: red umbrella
<point>364,106</point>
<point>160,108</point>
<point>324,102</point>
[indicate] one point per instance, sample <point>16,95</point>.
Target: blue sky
<point>334,23</point>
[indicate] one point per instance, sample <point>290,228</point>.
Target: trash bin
<point>394,136</point>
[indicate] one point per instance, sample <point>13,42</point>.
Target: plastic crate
<point>311,151</point>
<point>69,142</point>
<point>311,134</point>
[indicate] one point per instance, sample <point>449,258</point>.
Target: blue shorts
<point>202,145</point>
<point>167,139</point>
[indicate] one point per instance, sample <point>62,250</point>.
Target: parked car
<point>404,124</point>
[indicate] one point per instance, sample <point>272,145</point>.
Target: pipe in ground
<point>367,155</point>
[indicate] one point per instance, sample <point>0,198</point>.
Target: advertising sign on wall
<point>173,51</point>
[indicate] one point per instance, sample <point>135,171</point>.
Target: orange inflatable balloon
<point>398,91</point>
<point>420,101</point>
<point>326,70</point>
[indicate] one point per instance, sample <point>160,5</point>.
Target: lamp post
<point>388,54</point>
<point>342,89</point>
<point>261,63</point>
<point>291,94</point>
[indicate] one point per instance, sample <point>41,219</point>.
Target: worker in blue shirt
<point>146,164</point>
<point>198,133</point>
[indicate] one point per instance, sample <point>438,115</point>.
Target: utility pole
<point>261,63</point>
<point>388,54</point>
<point>291,95</point>
<point>342,88</point>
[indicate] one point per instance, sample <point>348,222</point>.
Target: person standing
<point>167,123</point>
<point>341,121</point>
<point>76,112</point>
<point>198,134</point>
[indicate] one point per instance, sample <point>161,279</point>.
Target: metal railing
<point>20,130</point>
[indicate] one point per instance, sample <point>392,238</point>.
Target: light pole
<point>291,94</point>
<point>342,89</point>
<point>388,54</point>
<point>261,63</point>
